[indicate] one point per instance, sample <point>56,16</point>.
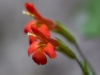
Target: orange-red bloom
<point>39,36</point>
<point>43,28</point>
<point>31,9</point>
<point>44,45</point>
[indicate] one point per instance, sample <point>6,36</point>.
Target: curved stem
<point>66,51</point>
<point>64,32</point>
<point>85,72</point>
<point>85,59</point>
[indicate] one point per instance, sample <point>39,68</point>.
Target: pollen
<point>27,13</point>
<point>31,34</point>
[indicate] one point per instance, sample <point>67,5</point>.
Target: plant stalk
<point>85,72</point>
<point>85,59</point>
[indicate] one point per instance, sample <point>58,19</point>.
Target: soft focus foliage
<point>91,26</point>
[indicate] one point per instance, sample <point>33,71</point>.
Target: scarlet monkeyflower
<point>31,9</point>
<point>44,45</point>
<point>43,28</point>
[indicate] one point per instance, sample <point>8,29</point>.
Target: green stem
<point>83,69</point>
<point>85,59</point>
<point>61,29</point>
<point>66,52</point>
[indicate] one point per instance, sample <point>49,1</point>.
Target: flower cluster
<point>41,43</point>
<point>38,31</point>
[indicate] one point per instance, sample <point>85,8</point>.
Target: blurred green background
<point>90,26</point>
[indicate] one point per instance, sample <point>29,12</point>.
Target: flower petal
<point>50,51</point>
<point>30,7</point>
<point>39,57</point>
<point>52,41</point>
<point>43,28</point>
<point>27,27</point>
<point>50,24</point>
<point>32,48</point>
<point>32,39</point>
<point>37,32</point>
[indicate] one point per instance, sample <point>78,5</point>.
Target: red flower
<point>32,10</point>
<point>42,27</point>
<point>44,45</point>
<point>27,27</point>
<point>30,7</point>
<point>39,36</point>
<point>43,37</point>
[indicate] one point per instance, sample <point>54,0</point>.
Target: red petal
<point>30,7</point>
<point>32,48</point>
<point>50,51</point>
<point>43,29</point>
<point>32,39</point>
<point>52,41</point>
<point>37,32</point>
<point>50,24</point>
<point>39,57</point>
<point>27,27</point>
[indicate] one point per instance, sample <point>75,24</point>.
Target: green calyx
<point>65,50</point>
